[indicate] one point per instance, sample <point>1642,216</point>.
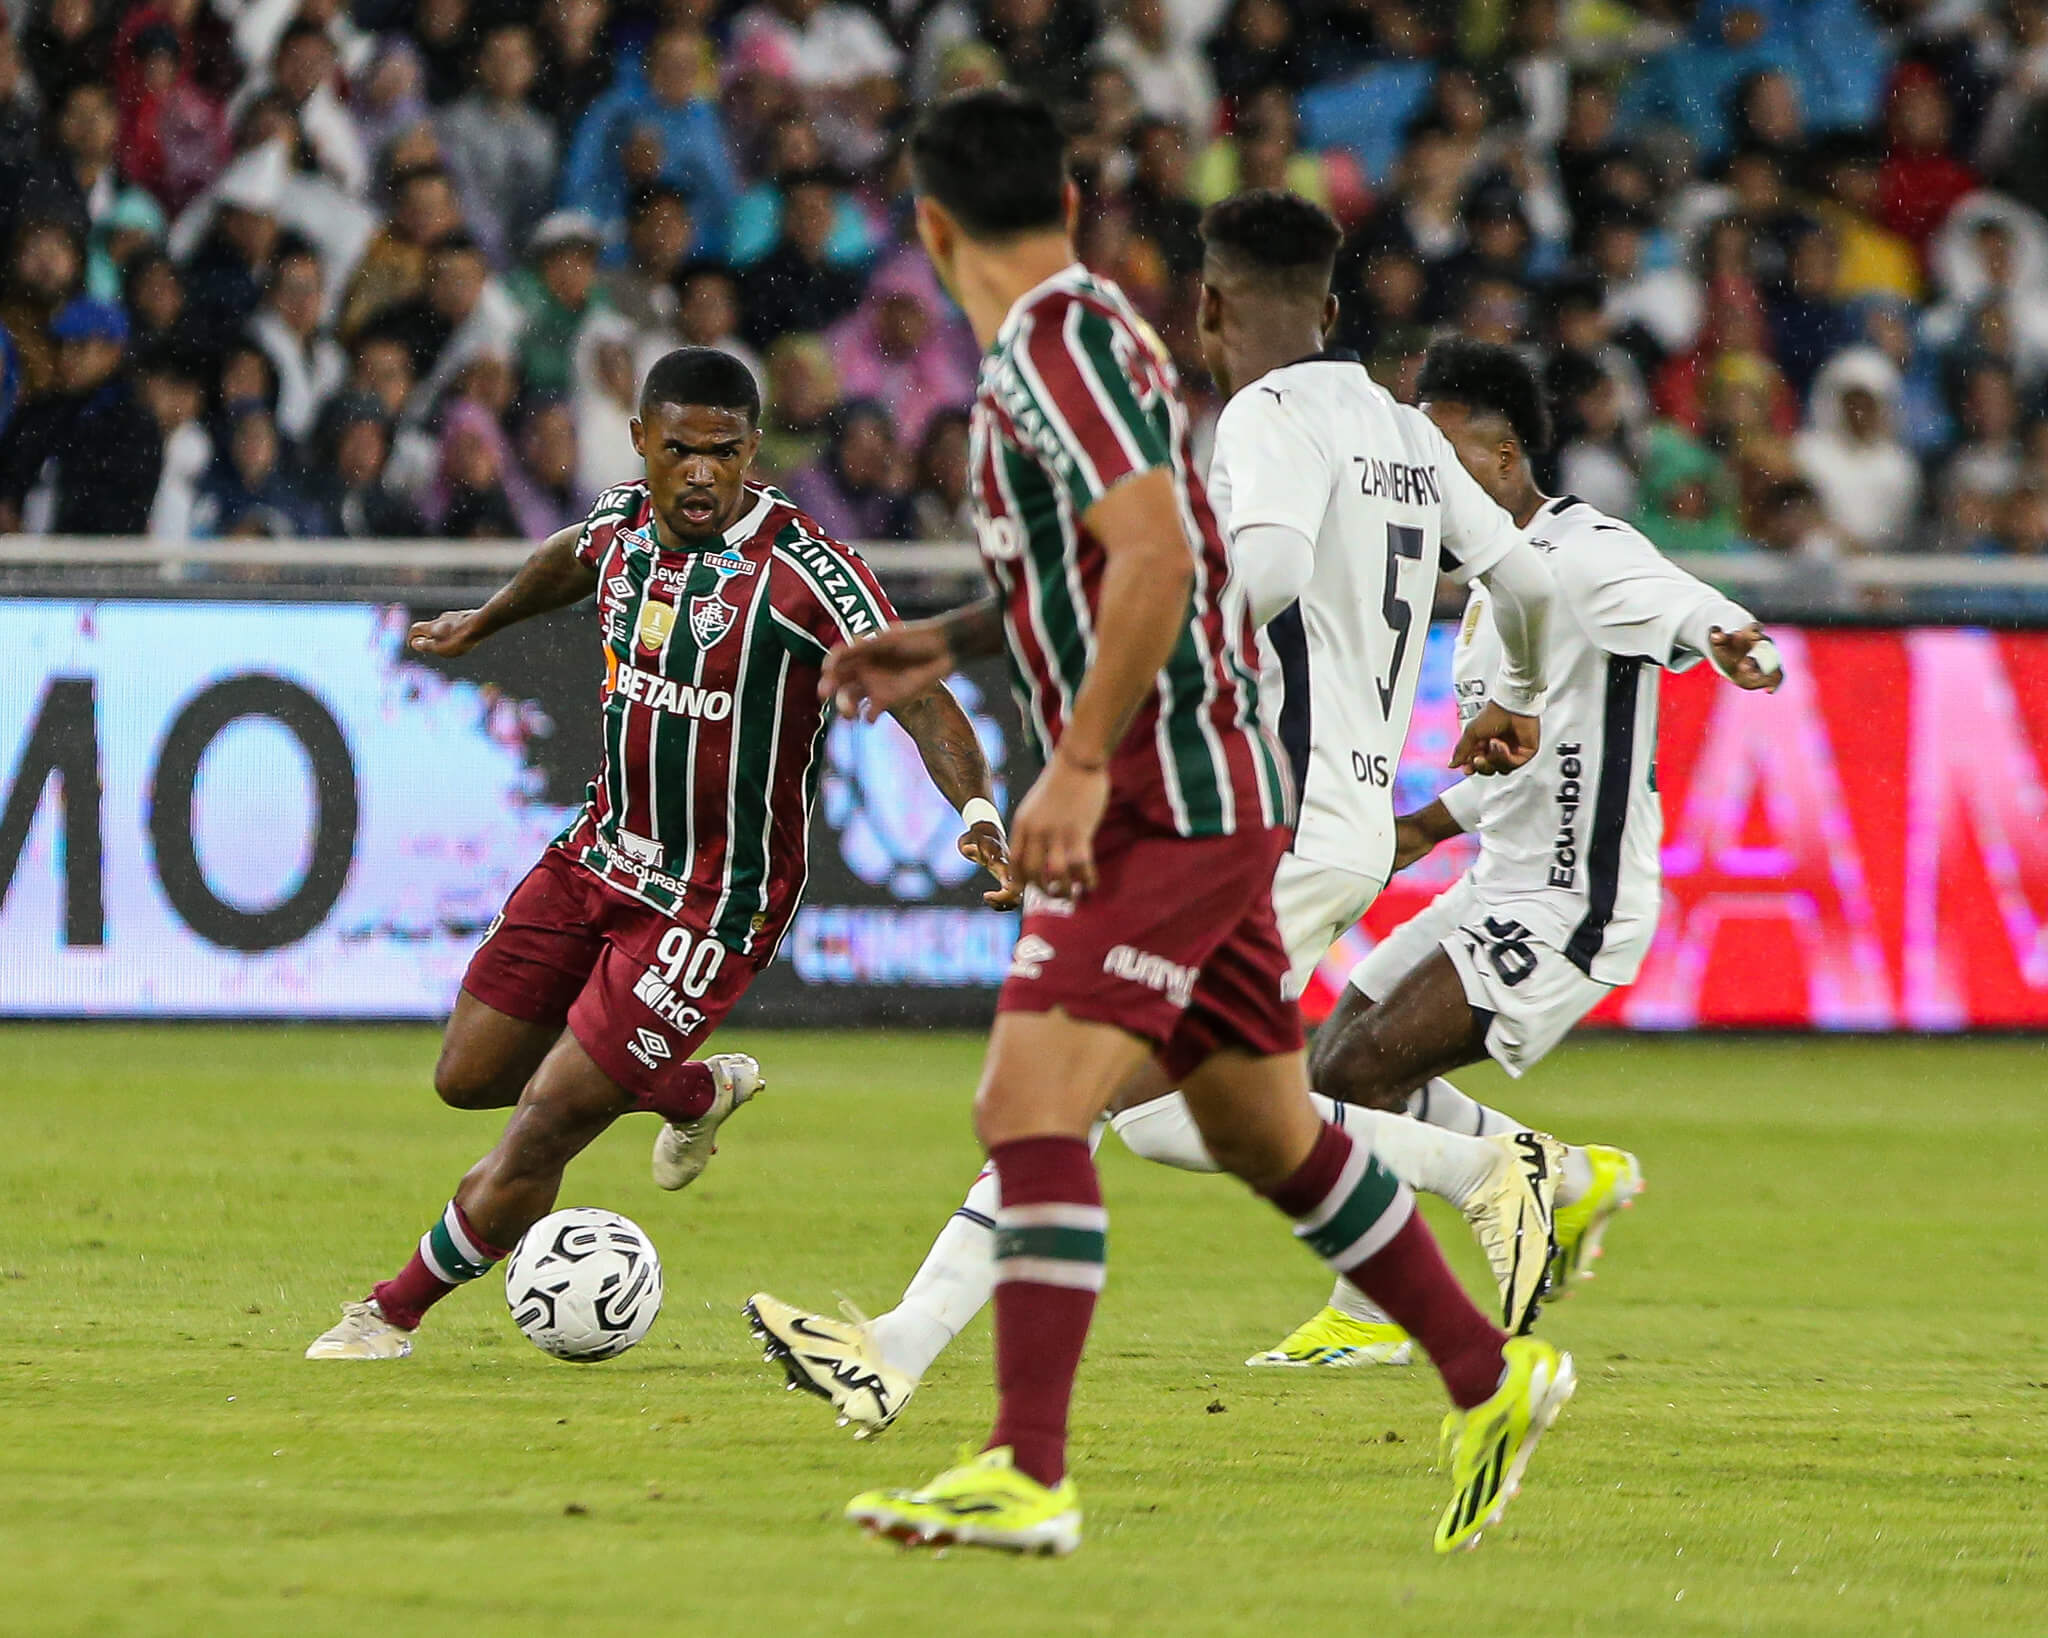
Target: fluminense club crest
<point>710,619</point>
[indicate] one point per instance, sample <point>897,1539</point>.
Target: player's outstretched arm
<point>552,578</point>
<point>1144,610</point>
<point>1417,834</point>
<point>1746,657</point>
<point>1505,733</point>
<point>952,754</point>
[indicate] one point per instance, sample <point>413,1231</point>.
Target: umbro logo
<point>649,1047</point>
<point>619,586</point>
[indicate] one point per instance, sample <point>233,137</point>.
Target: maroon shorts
<point>1177,944</point>
<point>638,989</point>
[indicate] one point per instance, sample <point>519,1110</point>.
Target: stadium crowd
<point>306,268</point>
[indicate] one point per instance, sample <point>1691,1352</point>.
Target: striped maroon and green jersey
<point>1076,395</point>
<point>712,724</point>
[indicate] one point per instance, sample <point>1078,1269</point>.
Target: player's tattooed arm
<point>945,738</point>
<point>552,578</point>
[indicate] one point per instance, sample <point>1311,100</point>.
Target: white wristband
<point>981,811</point>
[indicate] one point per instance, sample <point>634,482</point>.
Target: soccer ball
<point>583,1284</point>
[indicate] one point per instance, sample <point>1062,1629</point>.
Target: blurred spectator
<point>547,456</point>
<point>606,398</point>
<point>941,501</point>
<point>462,312</point>
<point>45,268</point>
<point>816,44</point>
<point>856,491</point>
<point>249,491</point>
<point>346,479</point>
<point>1167,71</point>
<point>310,367</point>
<point>1264,152</point>
<point>1689,85</point>
<point>443,34</point>
<point>1869,485</point>
<point>1686,501</point>
<point>2023,521</point>
<point>394,267</point>
<point>1989,460</point>
<point>468,499</point>
<point>83,458</point>
<point>1872,260</point>
<point>1045,44</point>
<point>154,295</point>
<point>173,384</point>
<point>1921,179</point>
<point>128,228</point>
<point>1792,528</point>
<point>1259,45</point>
<point>390,103</point>
<point>1161,211</point>
<point>1991,257</point>
<point>893,349</point>
<point>797,286</point>
<point>575,69</point>
<point>1594,461</point>
<point>802,392</point>
<point>556,292</point>
<point>380,368</point>
<point>663,127</point>
<point>1808,324</point>
<point>795,155</point>
<point>503,150</point>
<point>67,43</point>
<point>658,234</point>
<point>708,312</point>
<point>20,130</point>
<point>224,279</point>
<point>244,376</point>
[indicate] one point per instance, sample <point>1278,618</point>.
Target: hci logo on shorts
<point>648,1048</point>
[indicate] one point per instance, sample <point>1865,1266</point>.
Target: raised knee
<point>461,1088</point>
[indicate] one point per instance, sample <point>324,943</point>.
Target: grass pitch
<point>1815,1389</point>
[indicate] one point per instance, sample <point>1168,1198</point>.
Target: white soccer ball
<point>584,1284</point>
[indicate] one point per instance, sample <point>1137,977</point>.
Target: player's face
<point>696,459</point>
<point>1485,447</point>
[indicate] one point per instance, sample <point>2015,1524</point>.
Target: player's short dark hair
<point>1274,238</point>
<point>702,375</point>
<point>1492,379</point>
<point>995,159</point>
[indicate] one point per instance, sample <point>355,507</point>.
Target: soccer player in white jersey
<point>1340,505</point>
<point>1559,908</point>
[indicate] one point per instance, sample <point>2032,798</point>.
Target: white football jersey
<point>1568,843</point>
<point>1323,449</point>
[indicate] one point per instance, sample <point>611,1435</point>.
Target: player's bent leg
<point>1377,1052</point>
<point>567,1104</point>
<point>488,1056</point>
<point>683,1148</point>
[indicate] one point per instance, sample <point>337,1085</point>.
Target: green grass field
<point>1815,1388</point>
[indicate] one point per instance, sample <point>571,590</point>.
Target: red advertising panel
<point>1867,849</point>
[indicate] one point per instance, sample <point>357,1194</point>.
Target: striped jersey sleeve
<point>1098,383</point>
<point>620,507</point>
<point>826,594</point>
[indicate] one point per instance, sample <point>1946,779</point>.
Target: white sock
<point>952,1284</point>
<point>1347,1299</point>
<point>1164,1130</point>
<point>1423,1156</point>
<point>1442,1104</point>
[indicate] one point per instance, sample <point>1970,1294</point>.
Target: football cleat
<point>1581,1226</point>
<point>984,1502</point>
<point>1333,1337</point>
<point>364,1333</point>
<point>1488,1447</point>
<point>1510,1213</point>
<point>835,1359</point>
<point>682,1149</point>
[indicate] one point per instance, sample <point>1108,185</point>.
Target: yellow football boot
<point>984,1502</point>
<point>1580,1227</point>
<point>1489,1446</point>
<point>1335,1338</point>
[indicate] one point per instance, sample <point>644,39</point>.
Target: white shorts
<point>1315,906</point>
<point>1535,993</point>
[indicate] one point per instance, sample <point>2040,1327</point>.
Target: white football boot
<point>683,1149</point>
<point>364,1333</point>
<point>1511,1213</point>
<point>835,1359</point>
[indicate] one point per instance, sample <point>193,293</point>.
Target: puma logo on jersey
<point>659,693</point>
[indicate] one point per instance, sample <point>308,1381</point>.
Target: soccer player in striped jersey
<point>1147,845</point>
<point>1560,906</point>
<point>628,943</point>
